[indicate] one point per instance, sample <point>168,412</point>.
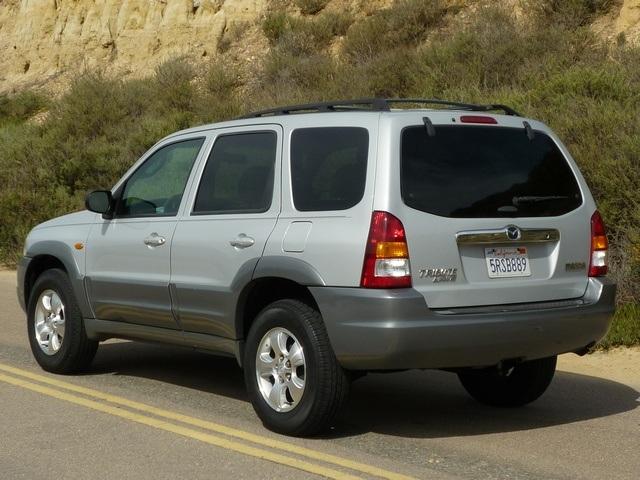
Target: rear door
<point>221,237</point>
<point>493,215</point>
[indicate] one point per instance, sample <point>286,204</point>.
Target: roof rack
<point>376,105</point>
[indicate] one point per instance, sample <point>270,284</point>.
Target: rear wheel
<point>295,383</point>
<point>55,327</point>
<point>517,386</point>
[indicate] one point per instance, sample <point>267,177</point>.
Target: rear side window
<point>328,167</point>
<point>238,177</point>
<point>478,171</point>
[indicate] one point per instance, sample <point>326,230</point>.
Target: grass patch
<point>625,328</point>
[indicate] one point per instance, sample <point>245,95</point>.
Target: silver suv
<point>315,243</point>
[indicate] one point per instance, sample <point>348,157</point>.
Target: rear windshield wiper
<point>536,199</point>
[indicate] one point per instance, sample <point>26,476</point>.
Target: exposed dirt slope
<point>42,39</point>
<point>45,42</point>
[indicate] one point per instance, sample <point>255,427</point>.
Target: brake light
<point>599,246</point>
<point>478,119</point>
<point>386,258</point>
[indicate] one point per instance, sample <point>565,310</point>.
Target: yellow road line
<point>204,424</point>
<point>184,431</point>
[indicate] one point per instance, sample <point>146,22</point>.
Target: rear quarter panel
<point>335,243</point>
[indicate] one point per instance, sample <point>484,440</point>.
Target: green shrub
<point>311,7</point>
<point>572,13</point>
<point>305,36</point>
<point>275,23</point>
<point>388,74</point>
<point>20,107</point>
<point>175,80</point>
<point>290,76</point>
<point>91,135</point>
<point>221,78</point>
<point>331,24</point>
<point>218,99</point>
<point>232,34</point>
<point>406,23</point>
<point>495,52</point>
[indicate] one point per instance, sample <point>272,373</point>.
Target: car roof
<point>353,109</point>
<point>299,119</point>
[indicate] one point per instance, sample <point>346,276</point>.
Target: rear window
<point>328,167</point>
<point>479,171</point>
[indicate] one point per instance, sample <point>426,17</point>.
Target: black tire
<point>326,383</point>
<point>521,385</point>
<point>76,350</point>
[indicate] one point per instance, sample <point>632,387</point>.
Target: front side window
<point>328,167</point>
<point>156,188</point>
<point>238,177</point>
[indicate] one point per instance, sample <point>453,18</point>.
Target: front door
<point>128,257</point>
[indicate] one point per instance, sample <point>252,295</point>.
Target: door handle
<point>154,240</point>
<point>242,241</point>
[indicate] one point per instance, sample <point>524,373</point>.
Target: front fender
<point>73,262</point>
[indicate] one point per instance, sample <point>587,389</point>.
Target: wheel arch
<point>274,278</point>
<point>260,292</point>
<point>47,255</point>
<point>37,266</point>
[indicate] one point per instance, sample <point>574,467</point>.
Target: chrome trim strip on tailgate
<point>525,235</point>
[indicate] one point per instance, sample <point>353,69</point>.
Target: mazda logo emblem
<point>513,232</point>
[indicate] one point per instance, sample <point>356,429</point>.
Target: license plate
<point>507,262</point>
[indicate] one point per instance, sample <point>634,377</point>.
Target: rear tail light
<point>386,259</point>
<point>599,246</point>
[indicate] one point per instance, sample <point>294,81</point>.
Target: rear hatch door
<point>494,213</point>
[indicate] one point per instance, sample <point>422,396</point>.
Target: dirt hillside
<point>45,42</point>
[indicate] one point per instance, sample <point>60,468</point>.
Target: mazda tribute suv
<point>315,243</point>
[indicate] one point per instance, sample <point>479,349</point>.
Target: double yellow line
<point>241,441</point>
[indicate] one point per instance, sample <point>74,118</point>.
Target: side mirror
<point>99,201</point>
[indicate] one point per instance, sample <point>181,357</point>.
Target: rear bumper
<point>394,329</point>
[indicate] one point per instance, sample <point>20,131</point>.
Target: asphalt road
<point>147,411</point>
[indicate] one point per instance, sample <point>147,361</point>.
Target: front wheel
<point>517,386</point>
<point>55,327</point>
<point>295,383</point>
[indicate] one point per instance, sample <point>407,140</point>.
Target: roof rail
<point>456,105</point>
<point>375,105</point>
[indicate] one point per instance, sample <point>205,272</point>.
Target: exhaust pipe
<point>584,350</point>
